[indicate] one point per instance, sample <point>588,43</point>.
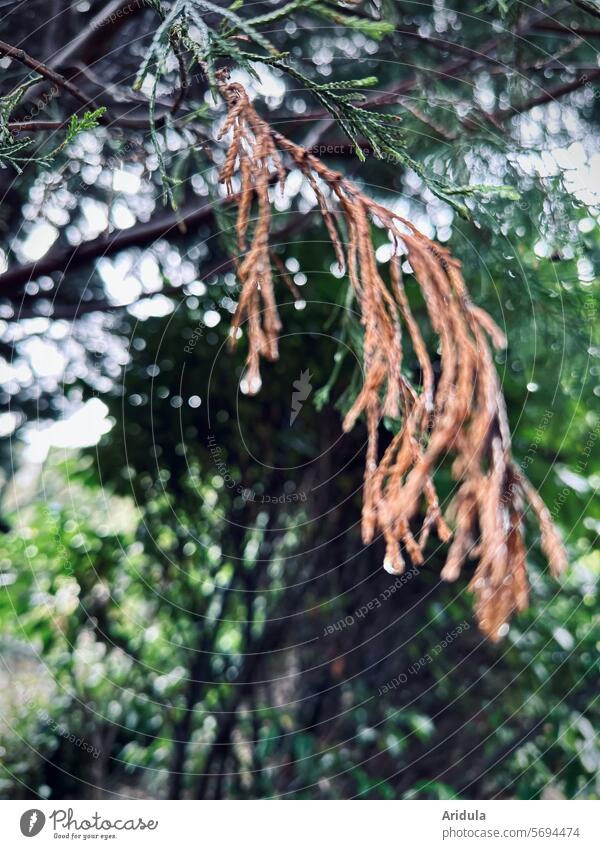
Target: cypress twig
<point>463,416</point>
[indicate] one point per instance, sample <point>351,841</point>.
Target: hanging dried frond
<point>462,414</point>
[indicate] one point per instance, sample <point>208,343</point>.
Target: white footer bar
<point>300,824</point>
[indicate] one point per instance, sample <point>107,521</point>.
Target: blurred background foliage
<point>186,609</point>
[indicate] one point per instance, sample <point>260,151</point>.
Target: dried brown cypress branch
<point>462,416</point>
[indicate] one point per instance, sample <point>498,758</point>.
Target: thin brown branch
<point>468,59</point>
<point>123,122</point>
<point>470,53</point>
<point>549,96</point>
<point>169,224</point>
<point>49,74</point>
<point>588,7</point>
<point>75,91</point>
<point>70,258</point>
<point>37,126</point>
<point>392,95</point>
<point>88,44</point>
<point>563,29</point>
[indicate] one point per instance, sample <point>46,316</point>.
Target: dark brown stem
<point>48,73</point>
<point>37,126</point>
<point>448,69</point>
<point>88,45</point>
<point>68,86</point>
<point>45,126</point>
<point>587,6</point>
<point>563,29</point>
<point>69,258</point>
<point>549,96</point>
<point>138,236</point>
